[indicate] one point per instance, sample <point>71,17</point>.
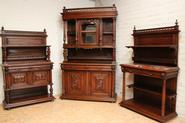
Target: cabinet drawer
<point>144,72</point>
<point>88,67</point>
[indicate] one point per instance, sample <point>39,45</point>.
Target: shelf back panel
<point>157,38</point>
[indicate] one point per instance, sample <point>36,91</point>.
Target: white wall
<point>148,14</point>
<point>36,15</point>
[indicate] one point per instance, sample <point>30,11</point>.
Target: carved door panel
<point>40,77</point>
<point>76,83</point>
<point>100,83</point>
<point>16,80</point>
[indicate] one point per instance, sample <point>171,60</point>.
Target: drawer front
<point>144,72</point>
<point>88,67</point>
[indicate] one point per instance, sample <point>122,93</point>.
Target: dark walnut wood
<point>88,69</point>
<point>26,67</point>
<point>155,71</point>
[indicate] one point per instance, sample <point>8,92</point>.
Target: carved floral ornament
<point>100,78</point>
<point>74,81</point>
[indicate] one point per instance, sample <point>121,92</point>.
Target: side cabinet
<point>88,84</point>
<point>27,68</point>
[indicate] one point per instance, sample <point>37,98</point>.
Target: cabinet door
<point>17,80</point>
<point>75,81</point>
<point>100,83</point>
<point>41,77</point>
<point>88,32</point>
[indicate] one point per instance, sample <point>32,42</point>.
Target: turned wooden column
<point>124,85</point>
<point>163,98</point>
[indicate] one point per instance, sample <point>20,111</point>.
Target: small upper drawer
<point>145,72</point>
<point>88,67</point>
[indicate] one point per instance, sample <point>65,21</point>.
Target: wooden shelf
<point>154,91</point>
<point>156,60</point>
<point>153,46</point>
<point>28,101</point>
<point>89,58</point>
<point>26,87</point>
<point>71,33</point>
<point>148,110</point>
<point>23,46</point>
<point>107,33</point>
<point>89,31</point>
<point>87,47</point>
<point>26,57</point>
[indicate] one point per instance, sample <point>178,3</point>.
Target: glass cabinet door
<point>88,32</point>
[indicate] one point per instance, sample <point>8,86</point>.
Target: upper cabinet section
<point>89,27</point>
<point>156,45</point>
<point>24,46</point>
<point>88,32</point>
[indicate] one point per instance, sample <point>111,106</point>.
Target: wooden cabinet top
<point>91,12</point>
<point>157,68</point>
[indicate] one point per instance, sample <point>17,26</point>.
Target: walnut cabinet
<point>155,70</point>
<point>88,69</point>
<point>26,67</point>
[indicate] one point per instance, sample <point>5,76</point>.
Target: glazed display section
<point>26,67</point>
<point>155,71</point>
<point>88,69</point>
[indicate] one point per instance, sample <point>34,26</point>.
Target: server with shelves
<point>155,70</point>
<point>88,69</point>
<point>26,67</point>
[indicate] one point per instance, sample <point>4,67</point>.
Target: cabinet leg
<point>7,97</point>
<point>124,86</point>
<point>51,89</point>
<point>163,98</point>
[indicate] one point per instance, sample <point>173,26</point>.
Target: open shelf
<point>26,57</point>
<point>71,33</point>
<point>154,91</point>
<point>108,33</point>
<point>89,58</point>
<point>23,46</point>
<point>28,101</point>
<point>147,109</point>
<point>155,60</point>
<point>87,46</point>
<point>26,87</point>
<point>89,31</point>
<point>152,46</point>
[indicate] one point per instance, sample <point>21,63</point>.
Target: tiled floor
<point>70,111</point>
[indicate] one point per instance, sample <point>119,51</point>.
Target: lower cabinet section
<point>88,84</point>
<point>27,79</point>
<point>25,86</point>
